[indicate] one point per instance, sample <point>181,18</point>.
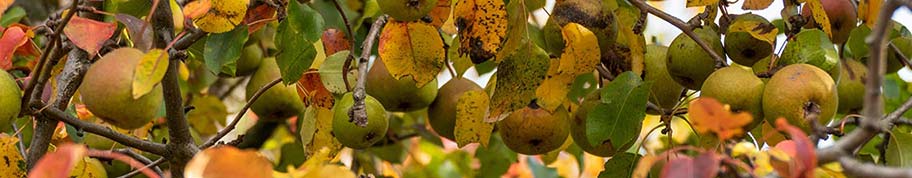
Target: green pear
<point>814,48</point>
<point>852,87</point>
<point>578,129</point>
<point>739,88</point>
<point>841,14</point>
<point>407,10</point>
<point>688,63</point>
<point>10,97</point>
<point>532,130</point>
<point>354,136</point>
<point>742,47</point>
<point>107,91</point>
<point>398,95</point>
<point>442,112</point>
<point>798,91</point>
<point>277,103</point>
<point>250,60</point>
<point>665,92</point>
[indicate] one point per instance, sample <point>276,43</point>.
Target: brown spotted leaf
<point>471,108</point>
<point>412,49</point>
<point>13,160</point>
<point>482,27</point>
<point>519,75</point>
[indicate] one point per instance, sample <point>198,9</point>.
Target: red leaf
<point>334,41</point>
<point>58,164</point>
<point>802,150</point>
<point>705,165</point>
<point>88,34</point>
<point>264,11</point>
<point>12,38</point>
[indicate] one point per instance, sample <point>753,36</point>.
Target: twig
<point>358,112</point>
<point>347,23</point>
<point>240,115</point>
<point>687,29</point>
<point>137,171</point>
<point>233,87</point>
<point>123,158</point>
<point>141,159</point>
<point>51,112</point>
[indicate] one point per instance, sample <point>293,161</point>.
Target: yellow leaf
<point>581,55</point>
<point>330,171</point>
<point>14,163</point>
<point>316,132</point>
<point>88,167</point>
<point>635,44</point>
<point>177,16</point>
<point>554,88</point>
<point>517,78</point>
<point>209,111</point>
<point>709,116</point>
<point>149,71</point>
<point>756,4</point>
<point>867,11</point>
<point>412,49</point>
<point>471,108</point>
<point>820,16</point>
<point>482,27</point>
<point>227,161</point>
<point>757,29</point>
<point>216,16</point>
<point>831,170</point>
<point>744,148</point>
<point>695,3</point>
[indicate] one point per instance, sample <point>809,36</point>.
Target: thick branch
<point>358,112</point>
<point>48,51</point>
<point>231,126</point>
<point>687,29</point>
<point>51,112</point>
<point>856,168</point>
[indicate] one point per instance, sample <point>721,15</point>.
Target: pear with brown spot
<point>532,130</point>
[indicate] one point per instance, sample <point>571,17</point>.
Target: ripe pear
<point>250,60</point>
<point>841,14</point>
<point>442,112</point>
<point>814,48</point>
<point>398,95</point>
<point>277,103</point>
<point>687,63</point>
<point>742,47</point>
<point>354,136</point>
<point>739,88</point>
<point>665,92</point>
<point>10,97</point>
<point>532,130</point>
<point>592,14</point>
<point>107,91</point>
<point>798,91</point>
<point>407,10</point>
<point>851,87</point>
<point>578,129</point>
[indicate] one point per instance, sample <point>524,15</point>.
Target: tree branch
<point>853,167</point>
<point>237,118</point>
<point>47,52</point>
<point>358,112</point>
<point>687,29</point>
<point>123,158</point>
<point>142,159</point>
<point>51,112</point>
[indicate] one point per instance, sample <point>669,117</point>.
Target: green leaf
<point>331,73</point>
<point>619,117</point>
<point>224,48</point>
<point>899,151</point>
<point>539,169</point>
<point>620,165</point>
<point>12,15</point>
<point>495,159</point>
<point>294,39</point>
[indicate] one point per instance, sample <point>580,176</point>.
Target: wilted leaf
<point>620,165</point>
<point>471,108</point>
<point>520,74</point>
<point>88,34</point>
<point>58,163</point>
<point>617,119</point>
<point>705,165</point>
<point>216,16</point>
<point>149,71</point>
<point>697,3</point>
<point>707,115</point>
<point>209,111</point>
<point>14,164</point>
<point>140,31</point>
<point>899,151</point>
<point>631,46</point>
<point>334,41</point>
<point>227,161</point>
<point>482,27</point>
<point>12,38</point>
<point>411,49</point>
<point>756,4</point>
<point>295,38</point>
<point>256,17</point>
<point>800,148</point>
<point>224,49</point>
<point>581,55</point>
<point>820,16</point>
<point>517,30</point>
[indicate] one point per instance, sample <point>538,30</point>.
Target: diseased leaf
<point>259,16</point>
<point>295,38</point>
<point>757,29</point>
<point>707,115</point>
<point>209,111</point>
<point>867,11</point>
<point>631,46</point>
<point>13,164</point>
<point>517,30</point>
<point>482,27</point>
<point>58,163</point>
<point>519,75</point>
<point>820,16</point>
<point>334,41</point>
<point>316,133</point>
<point>618,118</point>
<point>899,151</point>
<point>88,34</point>
<point>216,16</point>
<point>698,3</point>
<point>140,31</point>
<point>460,63</point>
<point>581,55</point>
<point>756,4</point>
<point>149,71</point>
<point>620,165</point>
<point>224,49</point>
<point>228,161</point>
<point>12,39</point>
<point>471,108</point>
<point>411,49</point>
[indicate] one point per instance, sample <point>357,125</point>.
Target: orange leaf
<point>12,38</point>
<point>60,163</point>
<point>334,41</point>
<point>227,161</point>
<point>256,14</point>
<point>708,115</point>
<point>197,8</point>
<point>88,34</point>
<point>800,148</point>
<point>312,91</point>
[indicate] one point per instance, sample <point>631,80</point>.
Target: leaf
<point>618,118</point>
<point>482,27</point>
<point>12,39</point>
<point>4,4</point>
<point>705,165</point>
<point>539,169</point>
<point>149,71</point>
<point>756,4</point>
<point>517,30</point>
<point>139,30</point>
<point>313,92</point>
<point>820,16</point>
<point>521,73</point>
<point>295,38</point>
<point>411,49</point>
<point>316,133</point>
<point>334,41</point>
<point>800,148</point>
<point>581,55</point>
<point>899,151</point>
<point>12,16</point>
<point>833,170</point>
<point>13,164</point>
<point>867,11</point>
<point>495,159</point>
<point>209,111</point>
<point>471,108</point>
<point>58,163</point>
<point>331,73</point>
<point>707,115</point>
<point>698,3</point>
<point>620,165</point>
<point>216,16</point>
<point>228,161</point>
<point>88,34</point>
<point>256,17</point>
<point>224,49</point>
<point>757,29</point>
<point>441,13</point>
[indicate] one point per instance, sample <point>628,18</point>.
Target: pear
<point>250,60</point>
<point>798,91</point>
<point>814,48</point>
<point>398,95</point>
<point>841,14</point>
<point>277,103</point>
<point>688,63</point>
<point>578,129</point>
<point>354,136</point>
<point>10,97</point>
<point>107,91</point>
<point>851,87</point>
<point>739,88</point>
<point>442,112</point>
<point>742,47</point>
<point>407,10</point>
<point>665,92</point>
<point>532,130</point>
